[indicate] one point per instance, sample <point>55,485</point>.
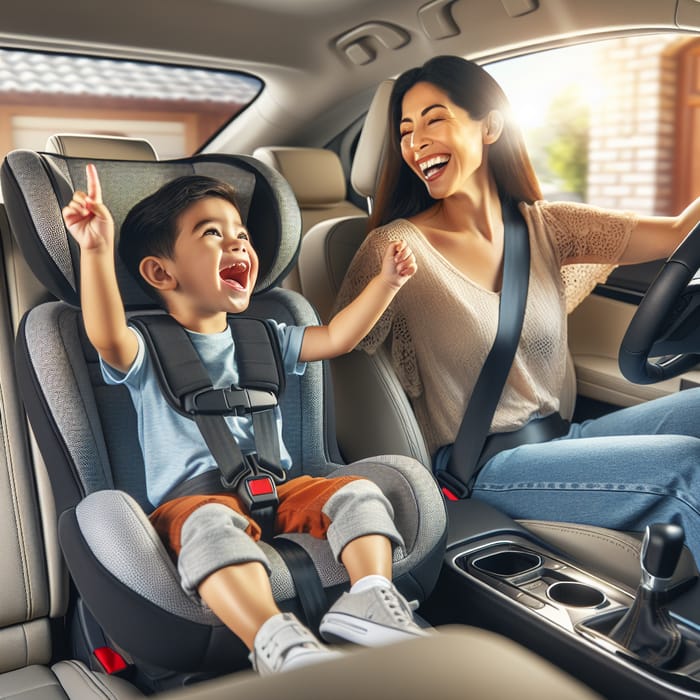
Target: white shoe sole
<point>337,627</point>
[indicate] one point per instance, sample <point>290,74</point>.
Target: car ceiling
<point>320,57</point>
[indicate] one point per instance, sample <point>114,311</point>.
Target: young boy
<point>187,244</point>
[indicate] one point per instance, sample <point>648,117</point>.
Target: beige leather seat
<point>318,181</point>
<point>33,585</point>
<point>460,662</point>
<point>96,146</point>
<point>373,414</point>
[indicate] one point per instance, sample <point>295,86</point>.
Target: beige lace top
<point>441,325</point>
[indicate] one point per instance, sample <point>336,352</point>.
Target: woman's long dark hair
<point>400,193</point>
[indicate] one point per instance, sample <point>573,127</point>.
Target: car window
<point>609,122</point>
<point>177,109</point>
<point>612,123</point>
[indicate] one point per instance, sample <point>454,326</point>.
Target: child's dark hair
<point>151,226</point>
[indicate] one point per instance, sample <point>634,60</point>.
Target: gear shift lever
<point>646,629</point>
<point>661,550</point>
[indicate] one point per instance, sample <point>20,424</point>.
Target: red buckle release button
<point>111,661</point>
<point>261,486</point>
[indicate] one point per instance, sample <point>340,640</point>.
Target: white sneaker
<point>374,617</point>
<point>283,643</point>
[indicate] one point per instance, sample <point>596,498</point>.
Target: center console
<point>497,574</point>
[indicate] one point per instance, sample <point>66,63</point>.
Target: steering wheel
<point>666,325</point>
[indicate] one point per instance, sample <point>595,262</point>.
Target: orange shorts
<point>301,502</point>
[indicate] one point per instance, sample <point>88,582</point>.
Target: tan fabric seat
<point>96,146</point>
<point>33,590</point>
<point>457,663</point>
<point>317,179</point>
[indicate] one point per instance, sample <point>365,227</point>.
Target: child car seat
<point>87,434</point>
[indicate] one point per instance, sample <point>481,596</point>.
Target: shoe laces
<point>399,608</point>
<point>275,649</point>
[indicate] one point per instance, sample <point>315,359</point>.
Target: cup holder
<point>508,563</point>
<point>575,595</point>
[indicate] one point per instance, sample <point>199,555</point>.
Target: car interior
<point>91,604</point>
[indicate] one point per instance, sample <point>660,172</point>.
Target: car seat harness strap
<point>188,389</point>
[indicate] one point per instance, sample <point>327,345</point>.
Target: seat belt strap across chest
<point>456,478</point>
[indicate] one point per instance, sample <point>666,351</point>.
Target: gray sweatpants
<point>214,536</point>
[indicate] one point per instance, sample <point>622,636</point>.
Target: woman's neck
<point>477,209</point>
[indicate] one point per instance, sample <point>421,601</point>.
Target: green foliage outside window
<point>567,148</point>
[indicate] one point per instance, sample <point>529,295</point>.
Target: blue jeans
<point>625,470</point>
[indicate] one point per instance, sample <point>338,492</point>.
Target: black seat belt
<point>473,431</point>
<point>310,591</point>
<point>187,387</point>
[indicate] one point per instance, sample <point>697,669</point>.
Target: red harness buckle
<point>259,494</point>
<point>261,490</point>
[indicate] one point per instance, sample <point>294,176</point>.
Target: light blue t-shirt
<point>172,446</point>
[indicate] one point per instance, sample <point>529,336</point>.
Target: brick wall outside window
<point>631,147</point>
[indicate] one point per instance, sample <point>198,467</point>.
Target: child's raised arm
<point>92,226</point>
<point>350,325</point>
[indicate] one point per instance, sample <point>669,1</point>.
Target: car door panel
<point>596,329</point>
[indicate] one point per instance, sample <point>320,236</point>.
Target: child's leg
<point>219,558</point>
<point>373,613</point>
<point>366,555</point>
<point>241,597</point>
<point>359,525</point>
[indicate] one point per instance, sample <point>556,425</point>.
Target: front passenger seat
<point>317,180</point>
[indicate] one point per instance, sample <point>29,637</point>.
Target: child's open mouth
<point>236,275</point>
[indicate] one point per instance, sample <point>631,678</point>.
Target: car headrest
<point>372,143</point>
<point>36,186</point>
<point>315,174</point>
<point>98,146</point>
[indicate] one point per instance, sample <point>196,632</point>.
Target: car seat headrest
<point>98,146</point>
<point>36,186</point>
<point>315,174</point>
<point>372,143</point>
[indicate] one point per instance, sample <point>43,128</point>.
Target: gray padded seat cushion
<point>140,562</point>
<point>124,183</point>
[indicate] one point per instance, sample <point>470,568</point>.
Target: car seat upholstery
<point>370,398</point>
<point>95,145</point>
<point>317,180</point>
<point>33,591</point>
<point>460,662</point>
<point>88,437</point>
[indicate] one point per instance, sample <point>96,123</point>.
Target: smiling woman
<point>455,166</point>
